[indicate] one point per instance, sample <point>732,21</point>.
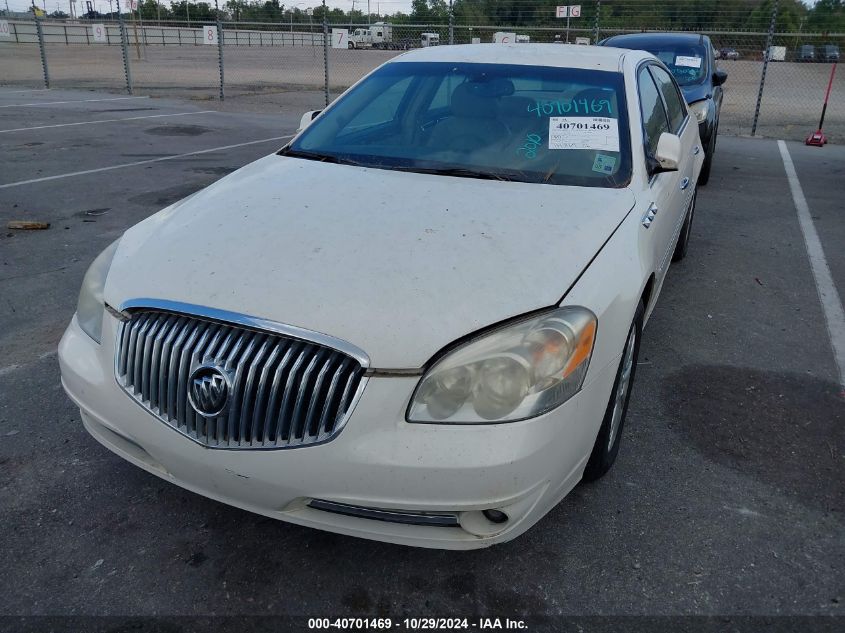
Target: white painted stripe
<point>831,303</point>
<point>9,92</point>
<point>141,162</point>
<point>47,103</point>
<point>131,118</point>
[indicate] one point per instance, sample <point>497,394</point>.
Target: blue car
<point>691,59</point>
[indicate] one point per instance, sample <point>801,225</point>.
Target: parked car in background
<point>828,53</point>
<point>806,53</point>
<point>419,321</point>
<point>728,53</point>
<point>692,61</point>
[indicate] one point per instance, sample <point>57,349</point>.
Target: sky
<point>386,6</point>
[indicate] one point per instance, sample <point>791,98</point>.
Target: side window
<point>443,96</point>
<point>675,107</point>
<point>651,106</point>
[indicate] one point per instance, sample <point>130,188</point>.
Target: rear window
<point>509,122</point>
<point>687,63</point>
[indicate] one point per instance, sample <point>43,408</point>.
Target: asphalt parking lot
<point>728,497</point>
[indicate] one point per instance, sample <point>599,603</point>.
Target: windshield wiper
<point>323,158</point>
<point>460,172</point>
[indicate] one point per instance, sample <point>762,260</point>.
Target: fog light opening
<point>495,516</point>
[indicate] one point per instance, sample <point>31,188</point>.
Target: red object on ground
<point>818,139</point>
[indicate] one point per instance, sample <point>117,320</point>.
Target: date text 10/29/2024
<point>417,624</point>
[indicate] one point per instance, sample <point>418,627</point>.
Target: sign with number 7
<point>339,38</point>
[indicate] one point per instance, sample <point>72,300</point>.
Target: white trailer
<point>430,39</point>
<point>776,53</point>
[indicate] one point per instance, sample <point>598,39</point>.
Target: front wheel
<point>704,176</point>
<point>683,239</point>
<point>606,447</point>
<point>351,46</point>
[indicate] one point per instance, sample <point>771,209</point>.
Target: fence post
<point>124,45</point>
<point>326,52</point>
<point>451,24</point>
<point>596,26</point>
<point>766,53</point>
<point>43,52</point>
<point>220,52</point>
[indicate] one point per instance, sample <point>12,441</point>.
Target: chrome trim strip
<point>436,519</point>
<point>257,323</point>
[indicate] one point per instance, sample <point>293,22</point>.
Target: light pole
<point>451,25</point>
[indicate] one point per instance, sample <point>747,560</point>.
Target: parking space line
<point>828,296</point>
<point>142,162</point>
<point>47,103</point>
<point>131,118</point>
<point>9,92</point>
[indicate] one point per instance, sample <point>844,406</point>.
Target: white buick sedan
<point>419,321</point>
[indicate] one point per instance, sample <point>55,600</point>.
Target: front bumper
<point>378,461</point>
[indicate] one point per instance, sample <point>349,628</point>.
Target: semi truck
<point>378,35</point>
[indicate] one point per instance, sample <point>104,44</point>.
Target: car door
<point>684,125</point>
<point>666,189</point>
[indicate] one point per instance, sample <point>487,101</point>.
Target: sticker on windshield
<point>689,62</point>
<point>604,164</point>
<point>583,132</point>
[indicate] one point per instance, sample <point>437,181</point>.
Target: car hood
<point>697,92</point>
<point>398,264</point>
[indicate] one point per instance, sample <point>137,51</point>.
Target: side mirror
<point>719,77</point>
<point>306,119</point>
<point>668,154</point>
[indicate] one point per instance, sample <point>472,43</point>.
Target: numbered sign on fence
<point>209,34</point>
<point>99,32</point>
<point>5,30</point>
<point>504,38</point>
<point>340,38</point>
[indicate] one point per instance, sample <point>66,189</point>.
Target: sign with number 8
<point>210,35</point>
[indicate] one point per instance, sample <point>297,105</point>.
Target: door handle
<point>696,150</point>
<point>650,214</point>
<point>684,183</point>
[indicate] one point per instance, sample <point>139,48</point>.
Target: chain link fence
<point>230,59</point>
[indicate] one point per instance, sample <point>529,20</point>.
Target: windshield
<point>505,122</point>
<point>687,63</point>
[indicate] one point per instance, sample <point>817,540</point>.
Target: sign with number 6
<point>99,32</point>
<point>209,34</point>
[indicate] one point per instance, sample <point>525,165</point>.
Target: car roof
<point>642,40</point>
<point>554,55</point>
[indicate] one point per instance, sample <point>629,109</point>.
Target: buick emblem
<point>208,391</point>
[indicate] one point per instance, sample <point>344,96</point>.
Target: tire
<point>351,46</point>
<point>607,443</point>
<point>683,239</point>
<point>704,176</point>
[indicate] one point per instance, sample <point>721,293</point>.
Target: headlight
<point>700,109</point>
<point>514,373</point>
<point>89,309</point>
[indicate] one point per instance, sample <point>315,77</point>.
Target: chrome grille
<point>285,392</point>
